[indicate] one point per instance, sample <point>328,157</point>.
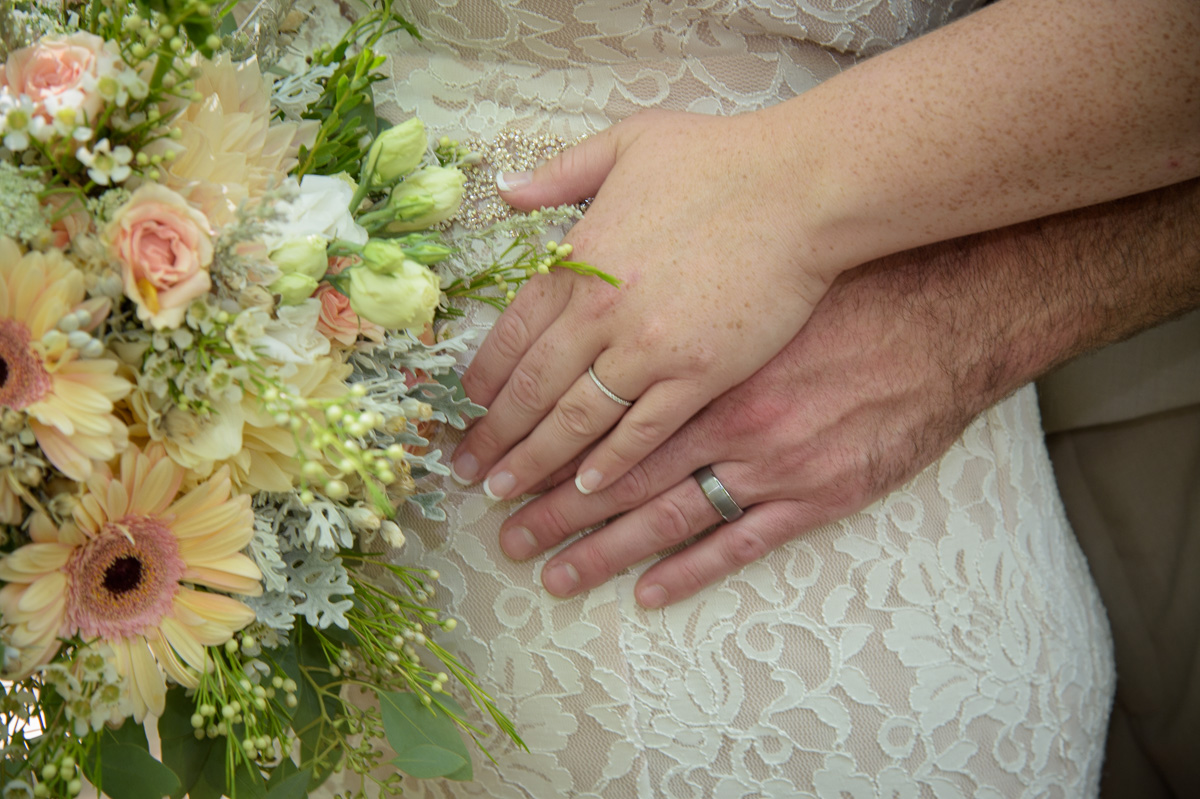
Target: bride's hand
<point>696,218</point>
<point>888,371</point>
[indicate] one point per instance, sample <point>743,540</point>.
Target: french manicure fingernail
<point>518,543</point>
<point>499,485</point>
<point>588,481</point>
<point>654,596</point>
<point>465,468</point>
<point>508,181</point>
<point>561,579</point>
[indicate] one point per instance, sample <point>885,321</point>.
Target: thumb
<point>570,177</point>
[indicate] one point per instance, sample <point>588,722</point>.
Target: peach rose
<point>68,219</point>
<point>55,66</point>
<point>339,323</point>
<point>164,248</point>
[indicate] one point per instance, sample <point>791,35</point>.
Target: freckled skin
<point>728,230</point>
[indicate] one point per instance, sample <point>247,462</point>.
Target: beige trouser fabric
<point>1132,493</point>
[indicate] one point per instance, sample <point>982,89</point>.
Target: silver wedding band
<point>607,392</point>
<point>717,494</point>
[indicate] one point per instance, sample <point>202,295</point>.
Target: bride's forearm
<point>1021,110</point>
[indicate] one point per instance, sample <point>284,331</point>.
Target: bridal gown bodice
<point>945,642</point>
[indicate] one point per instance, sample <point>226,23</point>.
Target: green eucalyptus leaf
<point>127,771</point>
<point>428,762</point>
<point>293,786</point>
<point>181,751</point>
<point>426,741</point>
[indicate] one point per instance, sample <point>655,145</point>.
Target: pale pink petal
<point>216,608</point>
<point>182,641</point>
<point>32,561</point>
<point>61,452</point>
<point>46,595</point>
<point>224,579</point>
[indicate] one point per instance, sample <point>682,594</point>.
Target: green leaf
<point>127,771</point>
<point>181,751</point>
<point>130,733</point>
<point>312,726</point>
<point>294,786</point>
<point>427,742</point>
<point>427,762</point>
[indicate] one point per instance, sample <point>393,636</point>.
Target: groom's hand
<point>894,363</point>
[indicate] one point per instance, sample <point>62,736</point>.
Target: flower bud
<point>396,152</point>
<point>383,256</point>
<point>426,197</point>
<point>392,535</point>
<point>294,289</point>
<point>403,298</point>
<point>424,249</point>
<point>306,256</point>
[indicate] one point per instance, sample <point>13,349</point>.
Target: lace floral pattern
<point>945,642</point>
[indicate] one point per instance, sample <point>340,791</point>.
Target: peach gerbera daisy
<point>68,400</point>
<point>122,570</point>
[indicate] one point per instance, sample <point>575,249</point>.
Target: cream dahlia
<point>230,149</point>
<point>122,571</point>
<point>69,401</point>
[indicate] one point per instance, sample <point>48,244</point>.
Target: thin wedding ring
<point>717,494</point>
<point>607,392</point>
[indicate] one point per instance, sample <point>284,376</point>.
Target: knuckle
<point>510,336</point>
<point>573,420</point>
<point>638,435</point>
<point>633,489</point>
<point>525,390</point>
<point>484,441</point>
<point>594,560</point>
<point>668,523</point>
<point>743,546</point>
<point>551,524</point>
<point>689,578</point>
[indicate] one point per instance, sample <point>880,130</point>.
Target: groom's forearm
<point>1005,307</point>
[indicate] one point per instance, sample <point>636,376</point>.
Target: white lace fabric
<point>945,642</point>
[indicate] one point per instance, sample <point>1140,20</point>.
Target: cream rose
<point>338,320</point>
<point>164,248</point>
<point>56,66</point>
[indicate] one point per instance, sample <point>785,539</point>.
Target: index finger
<point>537,305</point>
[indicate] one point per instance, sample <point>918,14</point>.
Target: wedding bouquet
<point>218,376</point>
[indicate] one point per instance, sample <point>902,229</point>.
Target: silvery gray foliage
<point>429,463</point>
<point>273,609</point>
<point>321,524</point>
<point>264,548</point>
<point>429,505</point>
<point>315,580</point>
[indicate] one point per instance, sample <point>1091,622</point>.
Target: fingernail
<point>588,481</point>
<point>561,579</point>
<point>518,543</point>
<point>499,485</point>
<point>507,181</point>
<point>465,468</point>
<point>652,597</point>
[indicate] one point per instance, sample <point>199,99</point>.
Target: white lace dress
<point>945,642</point>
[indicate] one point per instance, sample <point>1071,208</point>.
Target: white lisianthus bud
<point>294,288</point>
<point>396,152</point>
<point>391,533</point>
<point>426,197</point>
<point>363,519</point>
<point>383,256</point>
<point>405,297</point>
<point>305,256</point>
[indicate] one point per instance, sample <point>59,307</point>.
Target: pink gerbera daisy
<point>68,400</point>
<point>123,570</point>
